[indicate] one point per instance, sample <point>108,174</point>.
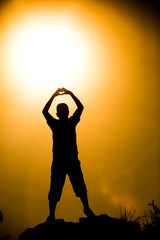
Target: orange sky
<point>112,67</point>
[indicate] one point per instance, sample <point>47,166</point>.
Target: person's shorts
<point>58,176</point>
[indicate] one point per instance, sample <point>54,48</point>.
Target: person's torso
<point>64,139</point>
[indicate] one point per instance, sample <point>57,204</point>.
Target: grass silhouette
<point>126,214</point>
<point>149,222</point>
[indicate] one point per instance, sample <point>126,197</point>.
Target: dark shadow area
<point>4,3</point>
<point>142,5</point>
<point>1,216</point>
<point>100,226</point>
<point>1,220</point>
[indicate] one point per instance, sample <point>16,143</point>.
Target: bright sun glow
<point>44,52</point>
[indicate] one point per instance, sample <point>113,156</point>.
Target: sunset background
<point>107,53</point>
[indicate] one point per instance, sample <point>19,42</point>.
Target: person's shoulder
<point>51,121</point>
<point>75,118</point>
<point>71,118</point>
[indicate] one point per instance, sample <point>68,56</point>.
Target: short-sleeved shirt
<point>64,137</point>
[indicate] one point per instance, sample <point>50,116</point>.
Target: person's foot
<point>89,212</point>
<point>50,219</point>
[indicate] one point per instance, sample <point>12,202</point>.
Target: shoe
<point>89,213</point>
<point>50,219</point>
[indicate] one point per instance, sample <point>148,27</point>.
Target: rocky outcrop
<point>100,226</point>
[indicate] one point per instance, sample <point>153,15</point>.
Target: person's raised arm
<point>76,100</point>
<point>48,104</point>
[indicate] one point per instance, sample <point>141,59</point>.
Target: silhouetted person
<point>65,153</point>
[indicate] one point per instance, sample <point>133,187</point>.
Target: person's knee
<point>52,197</point>
<point>81,192</point>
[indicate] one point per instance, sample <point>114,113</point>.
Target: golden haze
<point>112,68</point>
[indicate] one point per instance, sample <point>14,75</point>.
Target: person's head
<point>62,111</point>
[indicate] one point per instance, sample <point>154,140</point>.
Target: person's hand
<point>65,91</point>
<point>57,92</point>
<point>61,91</point>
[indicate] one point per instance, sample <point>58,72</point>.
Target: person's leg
<point>57,182</point>
<point>52,208</point>
<point>79,187</point>
<point>84,200</point>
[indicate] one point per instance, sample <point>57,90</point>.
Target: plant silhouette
<point>65,153</point>
<point>126,214</point>
<point>151,219</point>
<point>1,216</point>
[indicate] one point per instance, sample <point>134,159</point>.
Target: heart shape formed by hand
<point>61,92</point>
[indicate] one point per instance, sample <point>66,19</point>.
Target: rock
<point>100,226</point>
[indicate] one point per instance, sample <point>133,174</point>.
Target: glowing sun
<point>43,52</point>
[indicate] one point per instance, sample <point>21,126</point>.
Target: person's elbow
<point>81,107</point>
<point>44,111</point>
